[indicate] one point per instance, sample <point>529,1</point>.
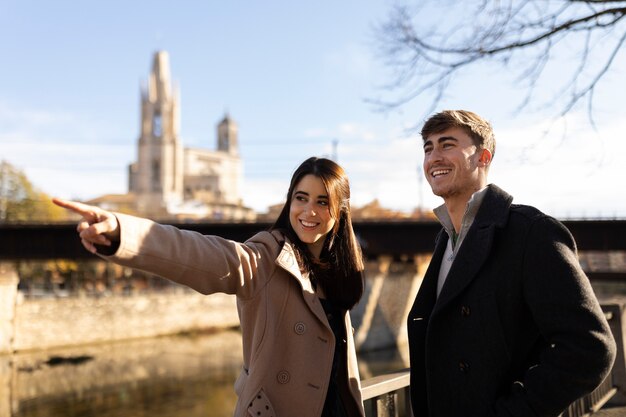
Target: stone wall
<point>54,322</point>
<point>42,323</point>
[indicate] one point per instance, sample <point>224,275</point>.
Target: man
<point>505,322</point>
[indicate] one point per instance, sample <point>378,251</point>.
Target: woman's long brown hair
<point>339,269</point>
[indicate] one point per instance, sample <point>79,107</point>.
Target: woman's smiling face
<point>309,213</point>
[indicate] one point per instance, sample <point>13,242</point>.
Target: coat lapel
<point>476,246</point>
<point>287,261</point>
<point>468,261</point>
<point>427,293</point>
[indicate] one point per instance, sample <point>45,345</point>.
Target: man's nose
<point>434,155</point>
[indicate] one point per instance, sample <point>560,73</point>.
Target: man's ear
<point>485,157</point>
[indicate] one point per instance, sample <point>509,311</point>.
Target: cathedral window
<point>157,125</point>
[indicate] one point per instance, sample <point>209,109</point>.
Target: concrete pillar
<point>420,264</point>
<point>8,296</point>
<point>5,385</point>
<point>373,299</point>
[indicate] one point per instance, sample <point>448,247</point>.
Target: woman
<point>294,285</point>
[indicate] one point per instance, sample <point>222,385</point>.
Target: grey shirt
<point>455,241</point>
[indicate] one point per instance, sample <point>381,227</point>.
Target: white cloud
<point>570,172</point>
<point>315,133</point>
<point>260,194</point>
<point>36,142</point>
<point>13,116</point>
<point>352,61</point>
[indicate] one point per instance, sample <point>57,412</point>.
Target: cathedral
<point>169,181</point>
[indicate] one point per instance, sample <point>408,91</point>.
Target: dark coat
<point>516,330</point>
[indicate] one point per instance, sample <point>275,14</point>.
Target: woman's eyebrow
<point>298,192</point>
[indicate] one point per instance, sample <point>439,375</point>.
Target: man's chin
<point>439,192</point>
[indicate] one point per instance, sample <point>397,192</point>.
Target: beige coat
<point>288,344</point>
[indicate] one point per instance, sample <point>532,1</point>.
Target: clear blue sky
<point>295,76</point>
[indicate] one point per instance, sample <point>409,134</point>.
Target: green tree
<point>20,201</point>
<point>427,43</point>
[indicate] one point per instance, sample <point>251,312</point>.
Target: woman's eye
<point>322,203</point>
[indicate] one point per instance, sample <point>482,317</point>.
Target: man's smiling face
<point>451,164</point>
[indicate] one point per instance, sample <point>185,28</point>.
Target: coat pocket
<point>261,406</point>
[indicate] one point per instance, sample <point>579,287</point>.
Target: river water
<point>189,376</point>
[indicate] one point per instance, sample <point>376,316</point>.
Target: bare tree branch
<point>527,34</point>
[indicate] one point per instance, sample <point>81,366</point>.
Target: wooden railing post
<point>387,405</point>
<point>381,395</point>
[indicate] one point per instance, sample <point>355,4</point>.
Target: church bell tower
<point>227,136</point>
<point>157,176</point>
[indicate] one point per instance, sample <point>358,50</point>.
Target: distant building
<point>374,211</point>
<point>169,181</point>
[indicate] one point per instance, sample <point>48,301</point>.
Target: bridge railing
<point>388,395</point>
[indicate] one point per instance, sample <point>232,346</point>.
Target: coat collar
<point>492,214</point>
<point>286,260</point>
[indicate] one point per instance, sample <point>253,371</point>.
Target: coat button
<point>465,311</point>
<point>283,377</point>
<point>299,328</point>
<point>464,367</point>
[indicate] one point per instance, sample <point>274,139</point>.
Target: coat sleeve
<point>208,264</point>
<point>580,349</point>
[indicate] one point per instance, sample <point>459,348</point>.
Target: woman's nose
<point>311,210</point>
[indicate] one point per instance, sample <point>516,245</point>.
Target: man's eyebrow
<point>441,140</point>
<point>447,138</point>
